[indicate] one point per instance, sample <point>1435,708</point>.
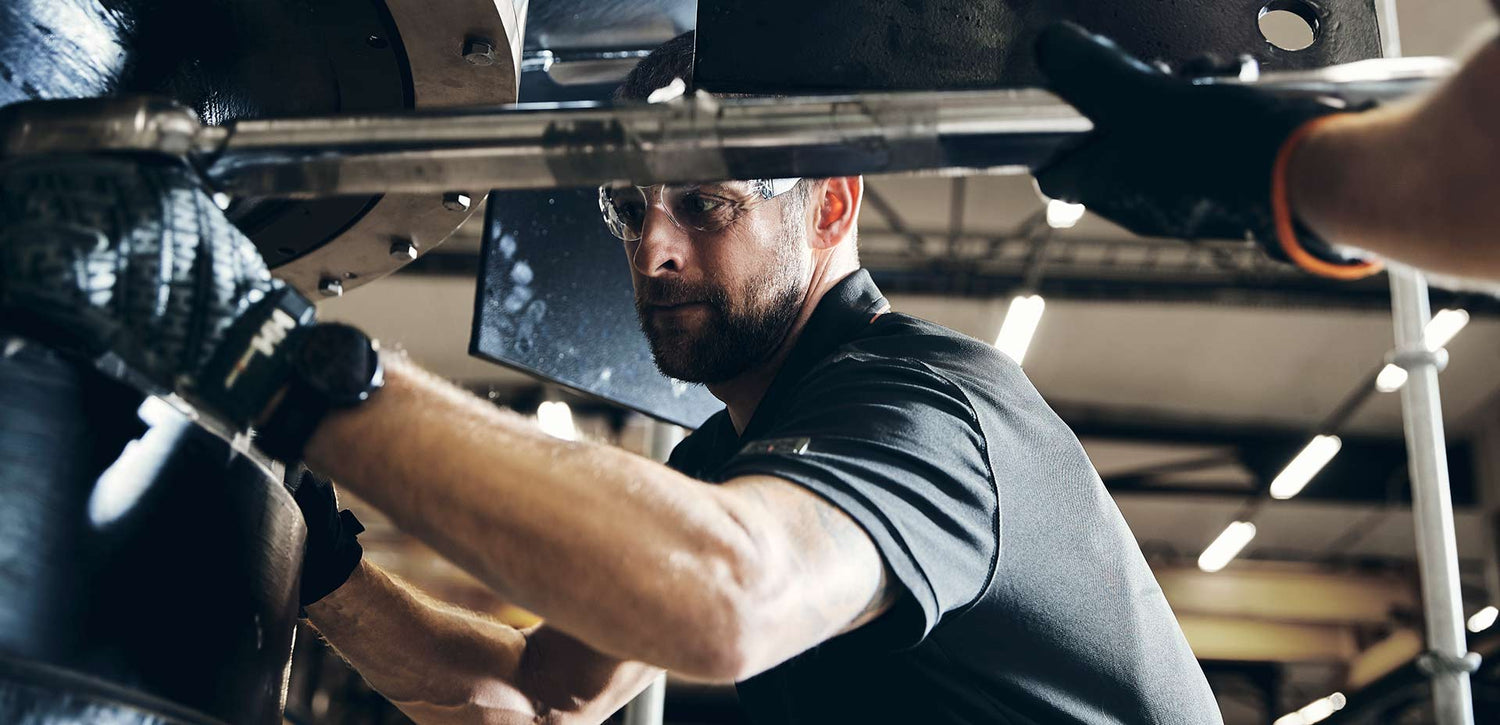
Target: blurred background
<point>1195,375</point>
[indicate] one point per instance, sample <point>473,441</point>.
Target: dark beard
<point>731,342</point>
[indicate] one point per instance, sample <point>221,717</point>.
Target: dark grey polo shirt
<point>1024,598</point>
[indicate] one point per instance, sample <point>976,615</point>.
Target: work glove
<point>125,262</point>
<point>332,551</point>
<point>1171,157</point>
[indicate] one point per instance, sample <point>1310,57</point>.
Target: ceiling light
<point>1316,711</point>
<point>1443,326</point>
<point>1227,546</point>
<point>1062,215</point>
<point>1391,378</point>
<point>1020,324</point>
<point>1317,454</point>
<point>555,418</point>
<point>1483,619</point>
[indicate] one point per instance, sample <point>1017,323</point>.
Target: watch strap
<point>286,431</point>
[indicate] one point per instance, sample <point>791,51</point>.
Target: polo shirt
<point>1023,597</point>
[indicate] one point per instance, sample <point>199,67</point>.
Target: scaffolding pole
<point>649,707</point>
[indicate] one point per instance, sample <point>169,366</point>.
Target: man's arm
<point>1416,182</point>
<point>630,557</point>
<point>443,665</point>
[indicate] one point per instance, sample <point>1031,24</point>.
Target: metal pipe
<point>577,145</point>
<point>1447,659</point>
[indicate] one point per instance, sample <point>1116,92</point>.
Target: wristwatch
<point>333,366</point>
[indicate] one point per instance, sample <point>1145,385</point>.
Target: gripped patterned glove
<point>1170,157</point>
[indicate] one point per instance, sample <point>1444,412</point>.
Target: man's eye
<point>702,203</point>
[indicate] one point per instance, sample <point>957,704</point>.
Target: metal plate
<point>789,46</point>
<point>555,301</point>
<point>432,40</point>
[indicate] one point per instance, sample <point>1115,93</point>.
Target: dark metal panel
<point>789,46</point>
<point>555,301</point>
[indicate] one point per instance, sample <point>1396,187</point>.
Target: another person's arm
<point>1417,182</point>
<point>439,664</point>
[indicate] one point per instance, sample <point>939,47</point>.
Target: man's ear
<point>835,201</point>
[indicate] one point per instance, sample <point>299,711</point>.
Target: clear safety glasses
<point>695,207</point>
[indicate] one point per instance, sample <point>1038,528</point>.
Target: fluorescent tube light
<point>1316,711</point>
<point>1019,325</point>
<point>1443,326</point>
<point>1317,454</point>
<point>555,418</point>
<point>1391,378</point>
<point>1062,215</point>
<point>1483,619</point>
<point>1227,546</point>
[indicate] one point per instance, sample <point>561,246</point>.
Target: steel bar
<point>1432,507</point>
<point>578,145</point>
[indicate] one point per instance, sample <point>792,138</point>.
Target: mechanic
<point>902,530</point>
<point>1316,184</point>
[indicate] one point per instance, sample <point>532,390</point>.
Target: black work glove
<point>124,261</point>
<point>332,550</point>
<point>1169,157</point>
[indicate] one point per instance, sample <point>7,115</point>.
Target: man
<point>1330,190</point>
<point>902,531</point>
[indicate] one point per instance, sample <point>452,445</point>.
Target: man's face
<point>713,304</point>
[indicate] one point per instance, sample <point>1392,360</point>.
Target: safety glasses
<point>692,207</point>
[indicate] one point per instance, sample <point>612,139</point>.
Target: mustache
<point>670,292</point>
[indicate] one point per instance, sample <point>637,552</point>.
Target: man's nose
<point>662,247</point>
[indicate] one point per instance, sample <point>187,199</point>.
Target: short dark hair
<point>672,59</point>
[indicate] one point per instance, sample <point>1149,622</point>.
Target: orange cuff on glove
<point>1281,215</point>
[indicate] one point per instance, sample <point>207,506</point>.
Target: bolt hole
<point>377,42</point>
<point>285,251</point>
<point>1289,24</point>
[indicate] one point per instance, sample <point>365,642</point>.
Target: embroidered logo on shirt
<point>786,446</point>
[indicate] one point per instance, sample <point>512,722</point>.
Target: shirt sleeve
<point>899,448</point>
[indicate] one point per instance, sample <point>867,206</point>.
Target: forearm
<point>438,665</point>
<point>636,560</point>
<point>1416,182</point>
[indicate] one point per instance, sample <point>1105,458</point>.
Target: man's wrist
<point>346,596</point>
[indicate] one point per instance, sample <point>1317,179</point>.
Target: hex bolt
<point>330,287</point>
<point>404,250</point>
<point>456,201</point>
<point>479,51</point>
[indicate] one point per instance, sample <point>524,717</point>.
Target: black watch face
<point>340,362</point>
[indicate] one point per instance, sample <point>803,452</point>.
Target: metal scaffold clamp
<point>1411,359</point>
<point>1434,664</point>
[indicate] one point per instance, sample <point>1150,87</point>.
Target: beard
<point>734,335</point>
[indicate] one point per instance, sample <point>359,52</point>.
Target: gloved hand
<point>127,257</point>
<point>332,550</point>
<point>1171,158</point>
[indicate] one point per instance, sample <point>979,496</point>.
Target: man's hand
<point>332,551</point>
<point>1169,157</point>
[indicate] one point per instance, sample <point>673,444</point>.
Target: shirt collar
<point>845,311</point>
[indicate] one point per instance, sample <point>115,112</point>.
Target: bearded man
<point>886,523</point>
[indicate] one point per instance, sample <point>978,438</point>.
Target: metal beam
<point>1244,640</point>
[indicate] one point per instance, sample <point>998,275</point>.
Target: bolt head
<point>404,250</point>
<point>330,287</point>
<point>479,52</point>
<point>456,201</point>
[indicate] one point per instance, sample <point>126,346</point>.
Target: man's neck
<point>743,393</point>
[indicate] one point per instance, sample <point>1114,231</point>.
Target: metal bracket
<point>1412,359</point>
<point>1433,663</point>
